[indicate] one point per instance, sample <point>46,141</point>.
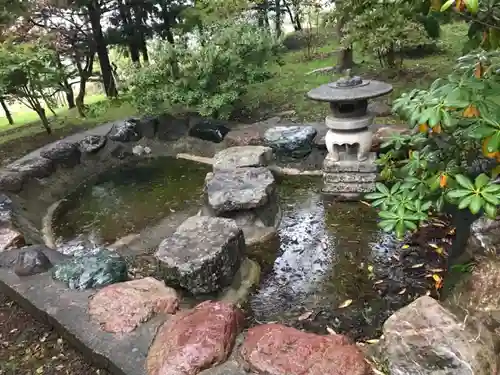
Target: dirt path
<point>28,347</point>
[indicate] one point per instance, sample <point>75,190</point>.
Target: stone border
<point>48,235</point>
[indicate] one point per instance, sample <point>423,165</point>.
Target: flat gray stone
<point>37,167</point>
<point>243,156</point>
<point>92,143</point>
<point>239,189</point>
<point>11,181</point>
<point>425,338</point>
<point>63,153</point>
<point>202,255</point>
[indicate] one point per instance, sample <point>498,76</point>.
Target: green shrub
<point>210,78</point>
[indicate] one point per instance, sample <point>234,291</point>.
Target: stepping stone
<point>239,189</point>
<point>122,307</point>
<point>37,167</point>
<point>202,255</point>
<point>279,350</point>
<point>125,131</point>
<point>62,153</point>
<point>243,156</point>
<point>295,141</point>
<point>195,340</point>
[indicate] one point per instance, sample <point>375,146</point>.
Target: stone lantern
<point>349,169</point>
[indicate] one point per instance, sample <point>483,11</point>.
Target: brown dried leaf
<point>346,303</point>
<point>305,316</point>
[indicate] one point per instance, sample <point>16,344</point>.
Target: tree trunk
<point>169,35</point>
<point>390,58</point>
<point>70,97</point>
<point>144,50</point>
<point>102,50</point>
<point>6,111</point>
<point>345,56</point>
<point>80,105</point>
<point>277,9</point>
<point>43,118</point>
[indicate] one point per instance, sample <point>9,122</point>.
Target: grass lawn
<point>285,91</point>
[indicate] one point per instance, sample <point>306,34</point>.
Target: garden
<point>185,176</point>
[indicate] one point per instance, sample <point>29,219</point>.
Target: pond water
<point>125,201</point>
<point>333,268</point>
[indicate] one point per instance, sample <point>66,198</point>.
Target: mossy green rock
<point>98,270</point>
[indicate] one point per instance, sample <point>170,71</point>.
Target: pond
<point>125,201</point>
<point>332,269</point>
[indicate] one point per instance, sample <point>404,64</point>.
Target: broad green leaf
<point>472,5</point>
<point>465,202</point>
<point>446,5</point>
<point>490,198</point>
<point>490,210</point>
<point>410,225</point>
<point>388,215</point>
<point>387,225</point>
<point>491,189</point>
<point>400,229</point>
<point>458,193</point>
<point>475,204</point>
<point>382,188</point>
<point>464,182</point>
<point>375,195</point>
<point>395,187</point>
<point>481,181</point>
<point>482,131</point>
<point>494,142</point>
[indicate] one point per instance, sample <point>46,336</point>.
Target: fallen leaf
<point>439,250</point>
<point>405,246</point>
<point>346,303</point>
<point>402,291</point>
<point>395,257</point>
<point>305,316</point>
<point>420,265</point>
<point>437,270</point>
<point>372,341</point>
<point>330,331</point>
<point>39,370</point>
<point>366,203</point>
<point>436,277</point>
<point>377,372</point>
<point>438,280</point>
<point>433,245</point>
<point>370,268</point>
<point>378,282</point>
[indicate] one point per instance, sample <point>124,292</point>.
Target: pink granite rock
<point>195,340</point>
<point>274,349</point>
<point>121,307</point>
<point>10,238</point>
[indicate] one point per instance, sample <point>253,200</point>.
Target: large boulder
<point>243,156</point>
<point>425,338</point>
<point>203,254</point>
<point>93,271</point>
<point>295,141</point>
<point>171,128</point>
<point>36,167</point>
<point>63,153</point>
<point>125,131</point>
<point>195,340</point>
<point>209,130</point>
<point>250,135</point>
<point>147,126</point>
<point>120,308</point>
<point>92,143</point>
<point>239,189</point>
<point>274,349</point>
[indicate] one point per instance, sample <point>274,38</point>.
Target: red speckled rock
<point>273,349</point>
<point>10,238</point>
<point>195,340</point>
<point>120,308</point>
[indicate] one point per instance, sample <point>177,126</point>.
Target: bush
<point>453,153</point>
<point>209,78</point>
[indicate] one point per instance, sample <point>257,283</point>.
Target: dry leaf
<point>305,316</point>
<point>345,303</point>
<point>377,372</point>
<point>433,245</point>
<point>395,256</point>
<point>370,268</point>
<point>405,247</point>
<point>436,278</point>
<point>439,250</point>
<point>378,282</point>
<point>372,341</point>
<point>420,265</point>
<point>437,270</point>
<point>366,203</point>
<point>330,331</point>
<point>402,291</point>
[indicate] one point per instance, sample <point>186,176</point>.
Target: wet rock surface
<point>294,141</point>
<point>120,308</point>
<point>194,340</point>
<point>243,156</point>
<point>239,189</point>
<point>171,128</point>
<point>8,259</point>
<point>202,255</point>
<point>147,126</point>
<point>278,350</point>
<point>125,131</point>
<point>209,130</point>
<point>79,246</point>
<point>425,338</point>
<point>250,135</point>
<point>63,153</point>
<point>92,271</point>
<point>11,181</point>
<point>92,143</point>
<point>31,262</point>
<point>33,168</point>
